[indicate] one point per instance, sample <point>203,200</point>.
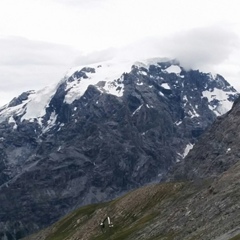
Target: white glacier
<point>173,69</point>
<point>38,103</point>
<point>109,72</point>
<point>222,97</point>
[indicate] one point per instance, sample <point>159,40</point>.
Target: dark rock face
<point>98,145</point>
<point>216,151</point>
<point>20,99</point>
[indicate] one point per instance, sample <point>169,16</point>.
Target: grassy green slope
<point>190,211</point>
<point>129,214</point>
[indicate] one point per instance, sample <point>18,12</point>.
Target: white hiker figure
<point>106,222</point>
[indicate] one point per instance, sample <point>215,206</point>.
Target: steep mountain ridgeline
<point>217,149</point>
<point>101,131</point>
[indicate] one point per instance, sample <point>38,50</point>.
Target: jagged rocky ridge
<point>221,149</point>
<point>103,130</point>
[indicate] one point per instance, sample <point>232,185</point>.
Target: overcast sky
<point>41,39</point>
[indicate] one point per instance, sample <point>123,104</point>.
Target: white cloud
<point>202,46</point>
<point>96,56</point>
<point>81,3</point>
<point>195,48</point>
<point>22,51</point>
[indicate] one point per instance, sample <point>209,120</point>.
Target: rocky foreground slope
<point>208,210</point>
<point>101,131</point>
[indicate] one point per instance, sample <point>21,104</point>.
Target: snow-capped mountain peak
<point>106,76</point>
<point>33,106</point>
<point>167,77</point>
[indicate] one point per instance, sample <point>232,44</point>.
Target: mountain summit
<point>102,130</point>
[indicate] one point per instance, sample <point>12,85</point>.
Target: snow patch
<point>160,93</point>
<point>185,100</point>
<point>187,149</point>
<point>143,73</point>
<point>228,150</point>
<point>165,85</point>
<point>51,122</point>
<point>192,112</point>
<point>151,106</point>
<point>7,112</point>
<point>11,120</point>
<point>38,103</point>
<point>173,69</point>
<point>178,123</point>
<point>220,95</point>
<point>110,73</point>
<point>137,110</point>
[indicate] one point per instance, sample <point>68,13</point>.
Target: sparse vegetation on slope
<point>185,211</point>
<point>130,214</point>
